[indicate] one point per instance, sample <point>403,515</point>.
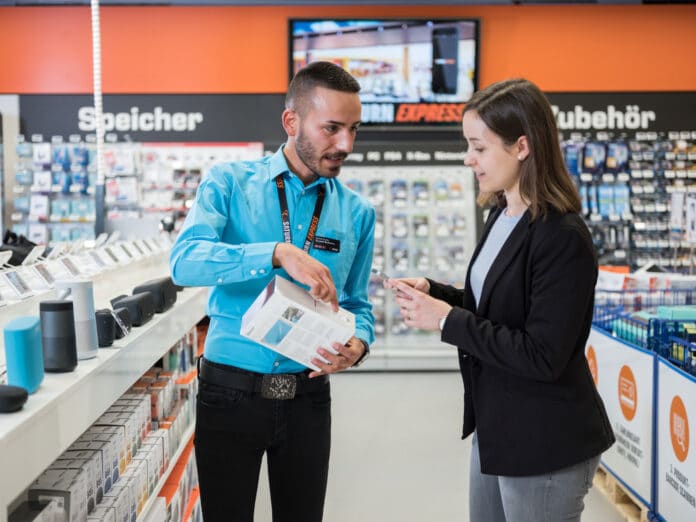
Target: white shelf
<point>66,404</point>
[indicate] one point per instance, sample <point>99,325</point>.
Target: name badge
<point>328,244</point>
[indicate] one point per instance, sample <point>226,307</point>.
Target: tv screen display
<point>411,72</point>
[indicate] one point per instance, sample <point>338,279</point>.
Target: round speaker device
<point>12,398</point>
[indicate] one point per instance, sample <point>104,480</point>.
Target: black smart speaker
<point>141,306</point>
<point>58,336</point>
<point>106,327</point>
<point>12,398</point>
<point>163,292</point>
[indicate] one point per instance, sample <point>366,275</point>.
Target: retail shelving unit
<point>67,404</point>
<point>426,226</point>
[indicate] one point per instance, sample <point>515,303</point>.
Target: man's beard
<point>311,159</point>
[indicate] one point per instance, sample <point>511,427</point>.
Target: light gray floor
<point>397,455</point>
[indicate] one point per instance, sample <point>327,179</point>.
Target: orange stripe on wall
<point>244,49</point>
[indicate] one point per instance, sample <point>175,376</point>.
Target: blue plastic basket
<point>613,313</point>
<point>679,352</point>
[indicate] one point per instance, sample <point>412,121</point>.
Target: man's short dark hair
<point>318,74</point>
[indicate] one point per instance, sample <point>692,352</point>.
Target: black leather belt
<point>268,385</point>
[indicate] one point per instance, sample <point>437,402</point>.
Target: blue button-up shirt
<point>227,243</point>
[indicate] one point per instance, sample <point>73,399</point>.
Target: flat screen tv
<point>411,71</point>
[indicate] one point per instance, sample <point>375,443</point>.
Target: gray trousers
<point>552,497</point>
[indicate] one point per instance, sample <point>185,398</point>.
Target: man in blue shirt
<point>286,215</point>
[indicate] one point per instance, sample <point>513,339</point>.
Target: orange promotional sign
<point>592,363</point>
<point>628,393</point>
<point>679,428</point>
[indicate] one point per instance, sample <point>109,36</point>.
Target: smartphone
<point>445,42</point>
<point>377,272</point>
<point>18,284</point>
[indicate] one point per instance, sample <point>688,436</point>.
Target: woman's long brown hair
<point>514,108</point>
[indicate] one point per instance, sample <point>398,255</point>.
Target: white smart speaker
<point>80,292</point>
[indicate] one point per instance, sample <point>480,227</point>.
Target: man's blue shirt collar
<point>279,165</point>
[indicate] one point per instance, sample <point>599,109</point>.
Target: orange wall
<point>244,49</point>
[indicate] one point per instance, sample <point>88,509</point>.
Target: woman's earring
<point>519,157</point>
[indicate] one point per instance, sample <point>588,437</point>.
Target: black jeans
<point>234,429</point>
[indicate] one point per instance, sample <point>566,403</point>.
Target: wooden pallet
<point>626,503</point>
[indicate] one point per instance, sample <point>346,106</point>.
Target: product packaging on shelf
<point>68,486</point>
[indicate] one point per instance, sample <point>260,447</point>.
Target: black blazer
<point>528,389</point>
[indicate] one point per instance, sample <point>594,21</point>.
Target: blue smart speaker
<point>24,353</point>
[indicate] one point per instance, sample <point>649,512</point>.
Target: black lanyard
<point>285,214</point>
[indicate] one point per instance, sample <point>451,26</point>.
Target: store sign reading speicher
<point>156,121</point>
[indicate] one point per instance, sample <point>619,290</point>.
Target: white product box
<point>153,444</point>
<point>124,500</point>
<point>38,512</point>
<point>133,409</point>
<point>152,451</point>
<point>286,319</point>
<point>142,400</point>
<point>136,474</point>
<point>96,467</point>
<point>109,458</point>
<point>163,437</point>
<point>68,487</point>
<point>103,513</point>
<point>88,467</point>
<point>116,436</point>
<point>128,423</point>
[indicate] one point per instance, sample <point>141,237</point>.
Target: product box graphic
<point>286,319</point>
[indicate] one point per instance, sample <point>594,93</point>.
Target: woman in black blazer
<point>522,320</point>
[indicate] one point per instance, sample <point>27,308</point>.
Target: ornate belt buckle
<point>278,386</point>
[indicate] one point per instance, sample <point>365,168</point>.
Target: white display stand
<point>66,404</point>
<point>624,375</point>
<point>676,443</point>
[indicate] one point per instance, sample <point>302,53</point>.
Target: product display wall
<point>426,225</point>
<point>633,197</point>
<point>54,184</point>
